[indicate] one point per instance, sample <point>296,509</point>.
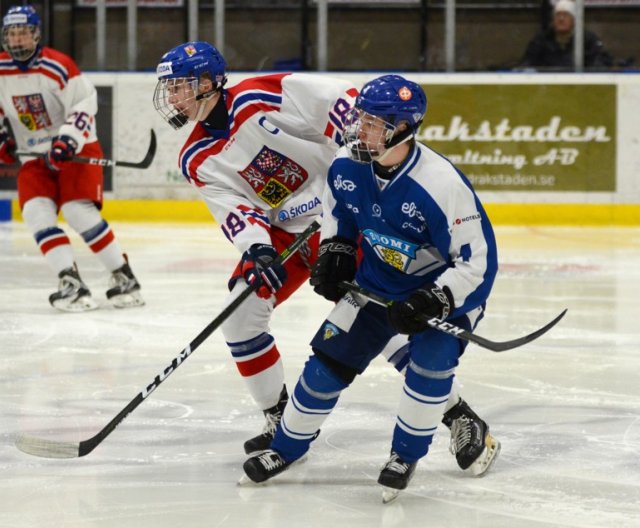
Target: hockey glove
<point>62,150</point>
<point>411,315</point>
<point>7,149</point>
<point>257,264</point>
<point>336,263</point>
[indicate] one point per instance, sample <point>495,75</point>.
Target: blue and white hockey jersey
<point>425,225</point>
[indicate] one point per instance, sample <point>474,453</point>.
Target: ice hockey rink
<point>566,407</point>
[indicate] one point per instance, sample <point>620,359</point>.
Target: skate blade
<point>484,462</point>
<point>244,481</point>
<point>389,494</point>
<point>127,300</point>
<point>83,304</point>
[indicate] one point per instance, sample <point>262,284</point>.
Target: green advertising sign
<point>526,137</point>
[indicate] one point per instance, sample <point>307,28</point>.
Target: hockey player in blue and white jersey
<point>428,245</point>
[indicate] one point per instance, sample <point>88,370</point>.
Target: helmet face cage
<point>366,136</point>
<point>19,21</point>
<point>180,74</point>
<point>172,97</point>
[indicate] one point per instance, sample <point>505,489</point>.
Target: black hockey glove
<point>336,262</point>
<point>410,316</point>
<point>257,265</point>
<point>63,148</point>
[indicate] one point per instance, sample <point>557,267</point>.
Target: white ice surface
<point>566,408</point>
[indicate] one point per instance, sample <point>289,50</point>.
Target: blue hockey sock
<point>423,401</point>
<point>313,399</point>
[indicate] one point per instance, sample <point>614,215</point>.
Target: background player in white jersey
<point>258,155</point>
<point>50,106</point>
<point>426,244</point>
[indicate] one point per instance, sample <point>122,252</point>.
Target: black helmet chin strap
<point>404,136</point>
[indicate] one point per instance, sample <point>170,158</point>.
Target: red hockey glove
<point>257,264</point>
<point>62,150</point>
<point>7,149</point>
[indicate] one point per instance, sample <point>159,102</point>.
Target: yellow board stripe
<point>500,214</point>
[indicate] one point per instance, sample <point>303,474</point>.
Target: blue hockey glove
<point>410,316</point>
<point>336,263</point>
<point>62,150</point>
<point>257,264</point>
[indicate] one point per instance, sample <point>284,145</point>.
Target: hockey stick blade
<point>47,448</point>
<point>54,449</point>
<point>456,331</point>
<point>103,162</point>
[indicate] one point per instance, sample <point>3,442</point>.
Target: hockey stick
<point>54,449</point>
<point>151,152</point>
<point>460,333</point>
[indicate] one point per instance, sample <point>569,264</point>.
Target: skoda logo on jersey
<point>394,251</point>
<point>32,142</point>
<point>343,185</point>
<point>297,210</point>
<point>376,211</point>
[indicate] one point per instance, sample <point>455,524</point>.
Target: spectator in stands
<point>553,47</point>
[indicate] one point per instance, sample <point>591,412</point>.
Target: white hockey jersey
<point>270,167</point>
<point>50,98</point>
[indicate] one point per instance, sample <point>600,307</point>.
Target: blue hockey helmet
<point>390,109</point>
<point>394,99</point>
<point>193,59</point>
<point>16,17</point>
<point>188,65</point>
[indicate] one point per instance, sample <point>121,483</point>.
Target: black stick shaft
<point>104,162</point>
<point>55,449</point>
<point>88,445</point>
<point>456,331</point>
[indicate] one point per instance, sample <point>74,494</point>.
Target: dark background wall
<point>282,34</point>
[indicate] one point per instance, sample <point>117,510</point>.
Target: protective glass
<point>176,100</point>
<point>20,40</point>
<point>366,136</point>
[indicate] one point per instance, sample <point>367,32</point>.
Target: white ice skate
<point>73,294</point>
<point>124,291</point>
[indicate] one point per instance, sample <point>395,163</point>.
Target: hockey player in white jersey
<point>426,244</point>
<point>258,155</point>
<point>50,107</point>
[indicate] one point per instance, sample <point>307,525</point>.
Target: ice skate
<point>472,444</point>
<point>73,294</point>
<point>395,477</point>
<point>273,416</point>
<point>124,291</point>
<point>264,466</point>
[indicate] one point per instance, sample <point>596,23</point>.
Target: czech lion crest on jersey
<point>273,176</point>
<point>32,111</point>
